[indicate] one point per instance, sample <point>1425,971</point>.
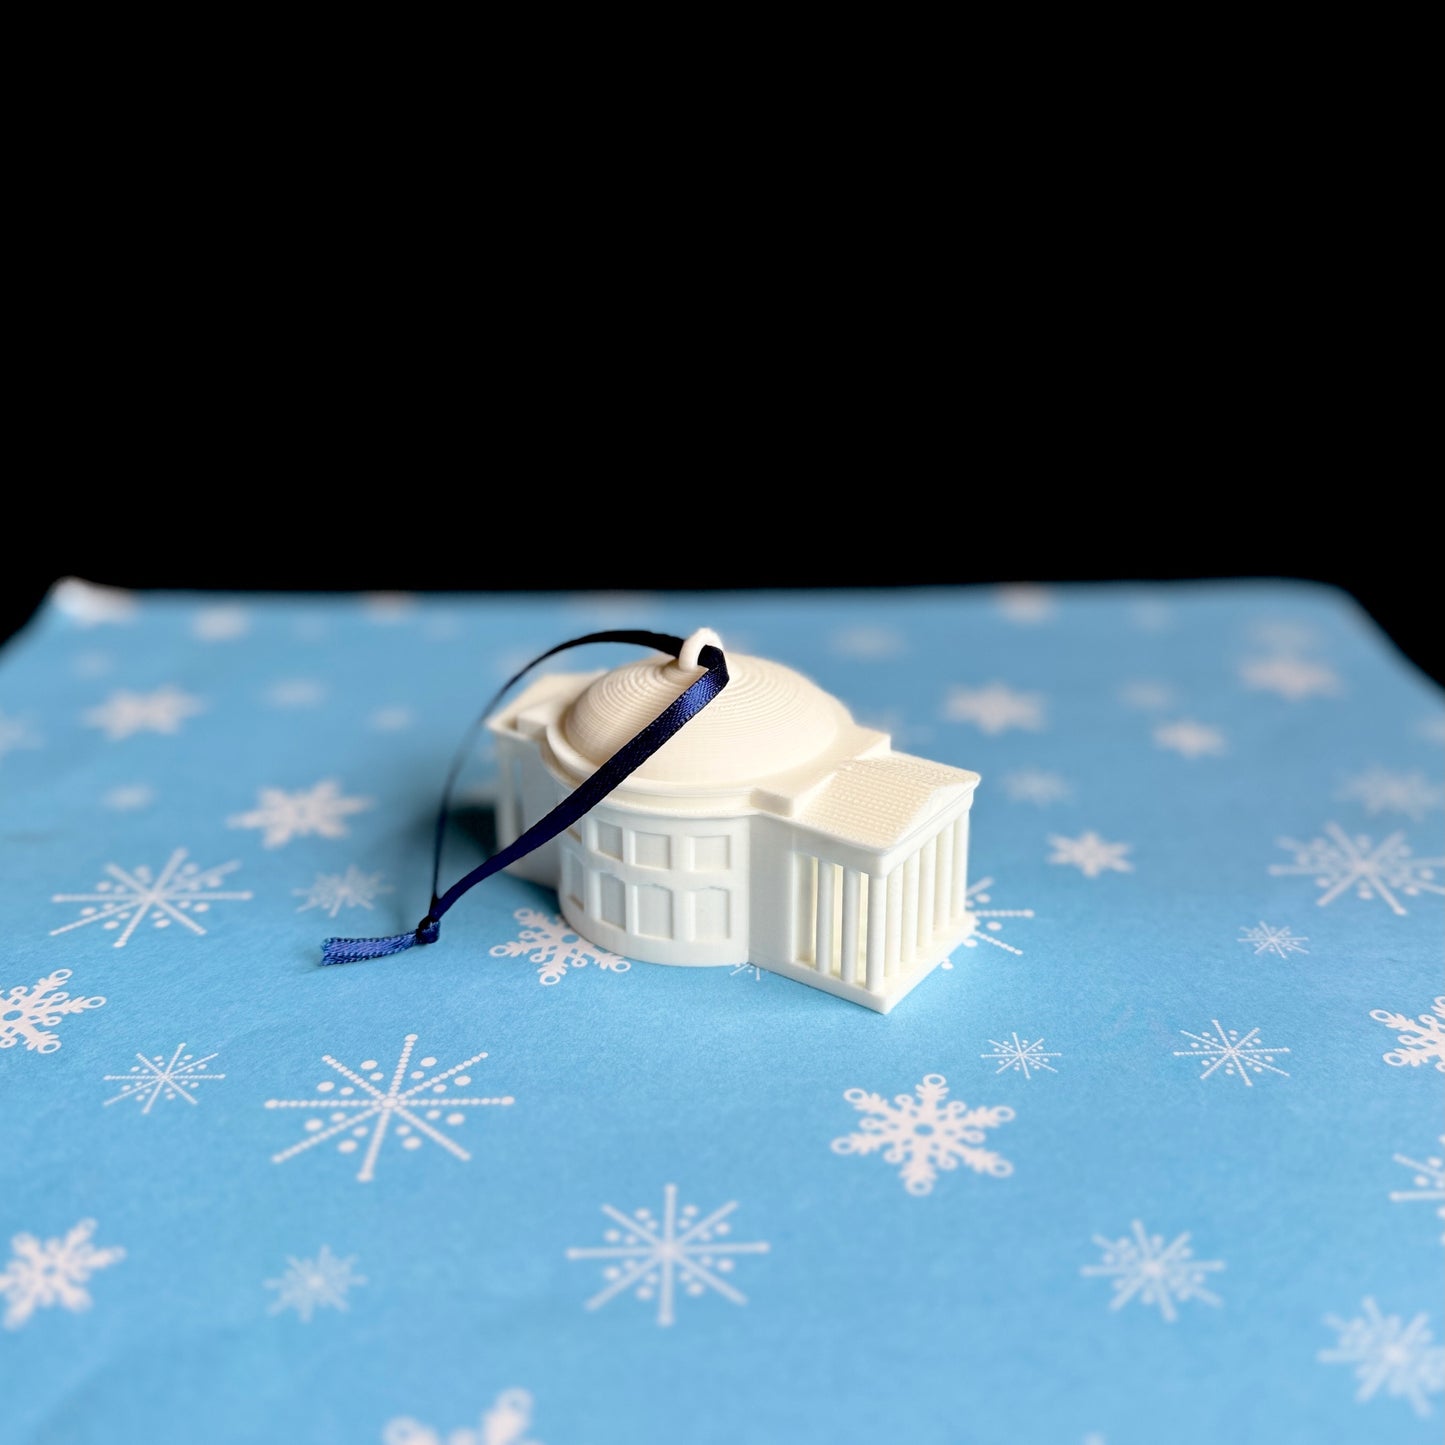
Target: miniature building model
<point>772,829</point>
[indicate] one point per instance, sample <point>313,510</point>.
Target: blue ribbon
<point>625,760</point>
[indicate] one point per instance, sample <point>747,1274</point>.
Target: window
<point>711,855</point>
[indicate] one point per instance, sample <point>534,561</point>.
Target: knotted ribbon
<point>586,795</point>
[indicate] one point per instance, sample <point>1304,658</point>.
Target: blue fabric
<point>1157,1159</point>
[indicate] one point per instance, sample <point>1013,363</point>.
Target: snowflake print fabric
<point>319,811</point>
<point>1229,1054</point>
<point>415,1106</point>
<point>546,940</point>
<point>1342,864</point>
<point>177,892</point>
<point>654,1257</point>
<point>923,1134</point>
<point>1143,1268</point>
<point>52,1273</point>
<point>1152,1157</point>
<point>308,1285</point>
<point>1389,1356</point>
<point>1421,1039</point>
<point>123,713</point>
<point>156,1077</point>
<point>28,1014</point>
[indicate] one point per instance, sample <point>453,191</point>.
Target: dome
<point>767,720</point>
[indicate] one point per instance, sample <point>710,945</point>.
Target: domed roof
<point>767,720</point>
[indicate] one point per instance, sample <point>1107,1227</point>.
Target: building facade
<point>771,829</point>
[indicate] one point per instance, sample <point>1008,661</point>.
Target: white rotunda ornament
<point>772,829</point>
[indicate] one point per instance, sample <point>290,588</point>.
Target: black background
<point>1073,346</point>
<point>297,442</point>
<point>407,533</point>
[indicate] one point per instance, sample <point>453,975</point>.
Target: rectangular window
<point>613,902</point>
<point>711,855</point>
<point>572,878</point>
<point>710,914</point>
<point>654,911</point>
<point>652,850</point>
<point>609,840</point>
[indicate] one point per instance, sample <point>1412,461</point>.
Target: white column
<point>877,914</point>
<point>823,952</point>
<point>803,896</point>
<point>947,898</point>
<point>910,911</point>
<point>927,864</point>
<point>960,863</point>
<point>895,919</point>
<point>850,925</point>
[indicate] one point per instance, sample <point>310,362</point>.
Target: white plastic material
<point>771,829</point>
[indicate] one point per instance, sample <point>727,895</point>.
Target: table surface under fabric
<point>1192,1190</point>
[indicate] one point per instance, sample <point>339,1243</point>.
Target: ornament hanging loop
<point>703,649</point>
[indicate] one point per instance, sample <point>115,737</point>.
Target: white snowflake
<point>393,719</point>
<point>1148,696</point>
<point>1026,603</point>
<point>1090,854</point>
<point>1281,635</point>
<point>652,1257</point>
<point>16,733</point>
<point>743,969</point>
<point>42,1275</point>
<point>155,1078</point>
<point>993,920</point>
<point>124,713</point>
<point>1033,785</point>
<point>1388,1355</point>
<point>1291,677</point>
<point>89,605</point>
<point>922,1134</point>
<point>220,624</point>
<point>284,816</point>
<point>312,1284</point>
<point>28,1013</point>
<point>868,641</point>
<point>1020,1055</point>
<point>359,1108</point>
<point>174,895</point>
<point>1383,870</point>
<point>626,609</point>
<point>1225,1049</point>
<point>296,692</point>
<point>1422,1039</point>
<point>548,942</point>
<point>504,1424</point>
<point>129,796</point>
<point>1381,791</point>
<point>995,708</point>
<point>1429,1182</point>
<point>1279,941</point>
<point>331,892</point>
<point>1142,1266</point>
<point>389,608</point>
<point>1189,739</point>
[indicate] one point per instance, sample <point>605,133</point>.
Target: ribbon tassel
<point>352,950</point>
